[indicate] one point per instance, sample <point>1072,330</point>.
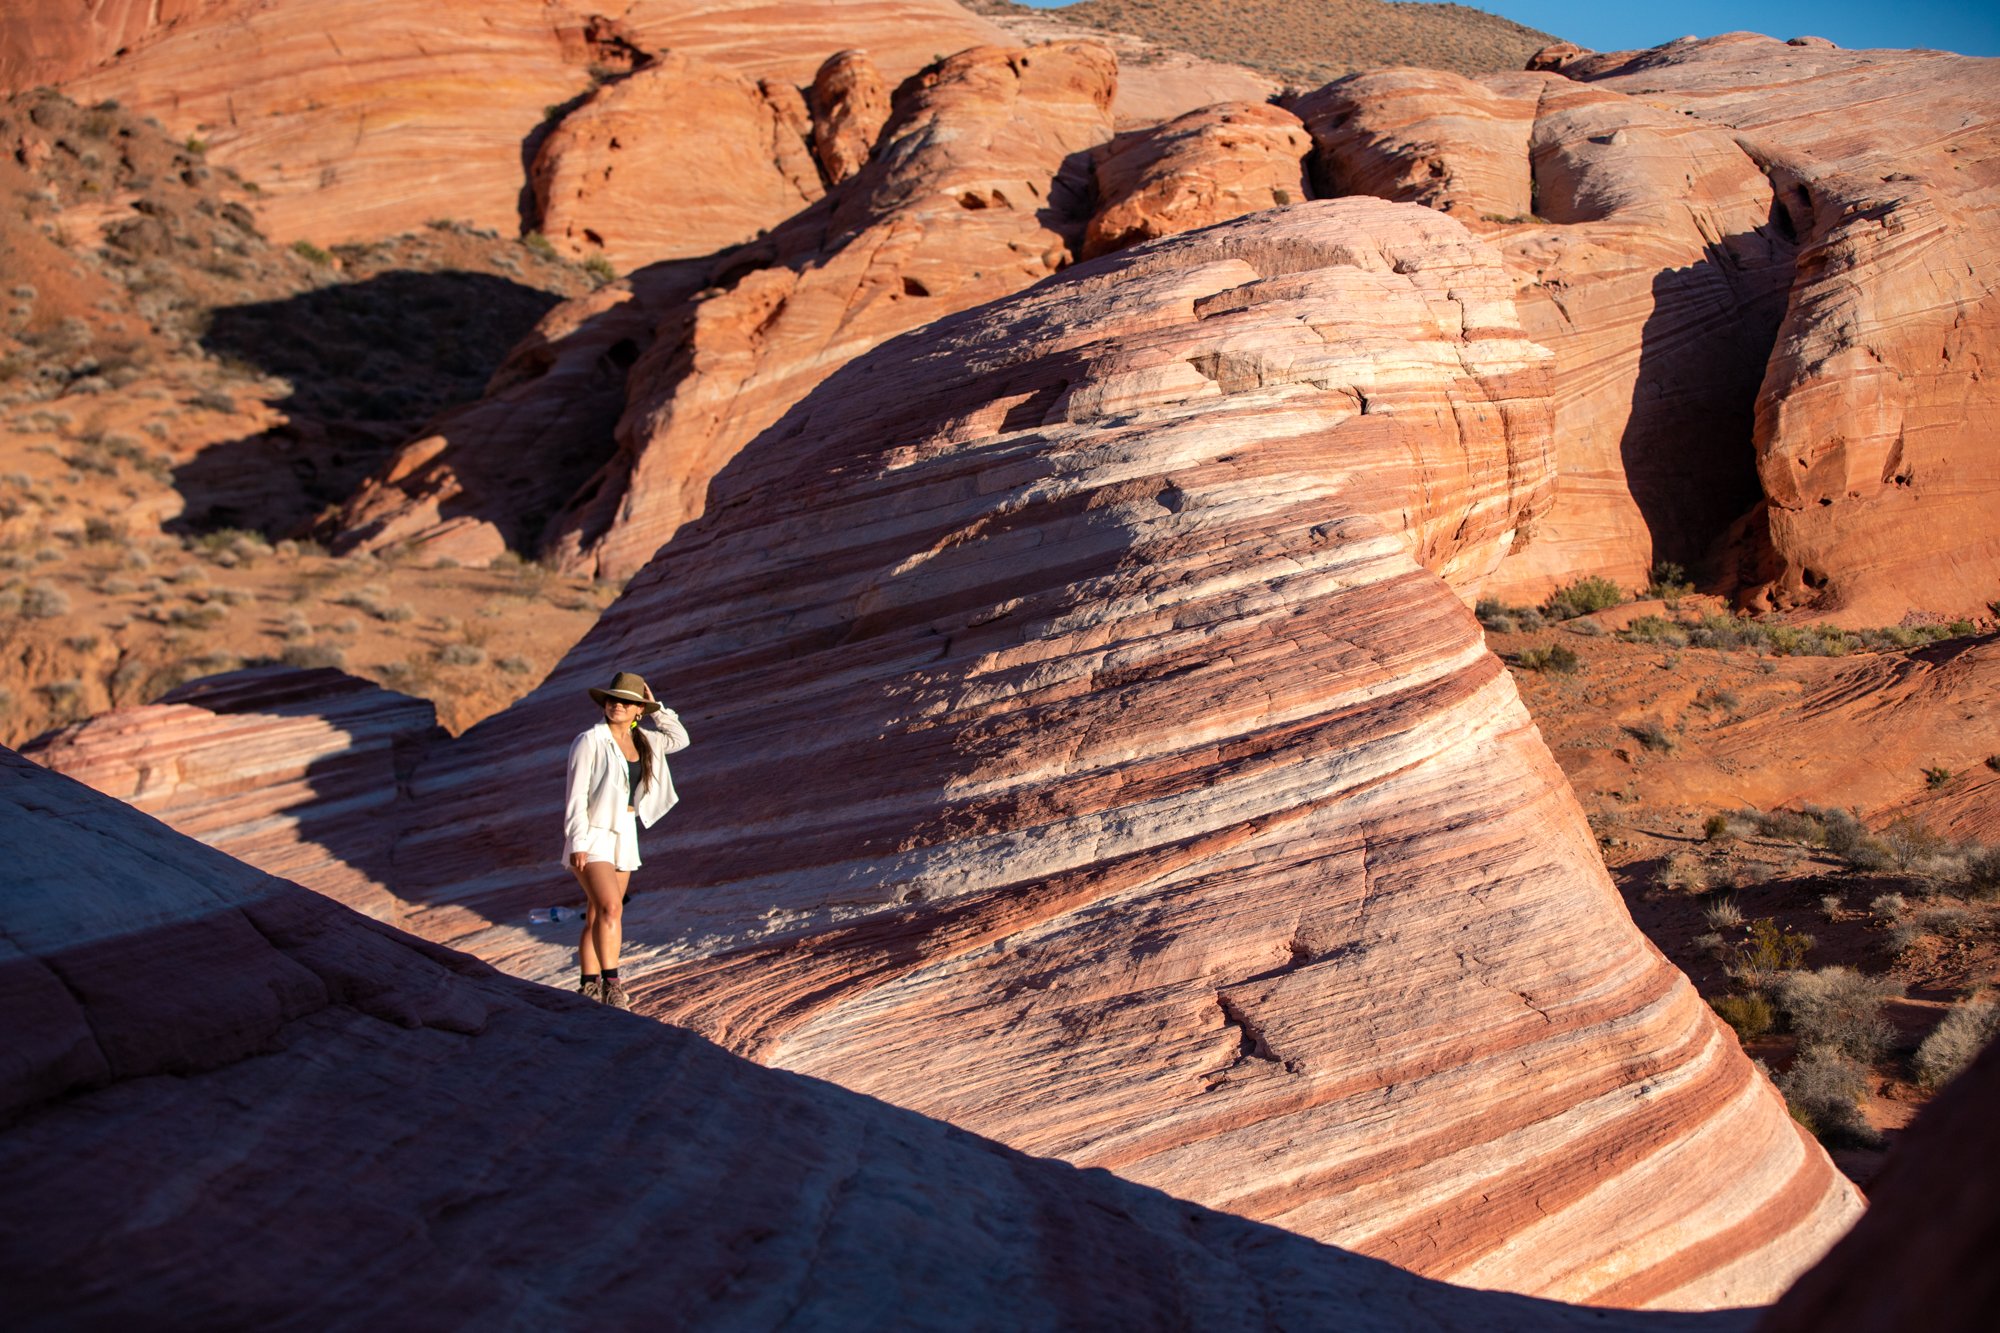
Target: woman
<point>617,780</point>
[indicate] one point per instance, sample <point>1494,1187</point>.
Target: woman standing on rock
<point>617,780</point>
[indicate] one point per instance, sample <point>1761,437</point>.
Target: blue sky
<point>1970,28</point>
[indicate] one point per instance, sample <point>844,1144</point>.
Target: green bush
<point>1548,657</point>
<point>1670,582</point>
<point>1653,734</point>
<point>1771,949</point>
<point>1655,629</point>
<point>311,253</point>
<point>1582,597</point>
<point>1750,1014</point>
<point>597,266</point>
<point>540,244</point>
<point>1938,776</point>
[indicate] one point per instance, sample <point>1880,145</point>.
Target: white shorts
<point>618,847</point>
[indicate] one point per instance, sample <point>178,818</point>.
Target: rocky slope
<point>1303,44</point>
<point>320,1112</point>
<point>1091,750</point>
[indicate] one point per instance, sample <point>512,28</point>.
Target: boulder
<point>278,1105</point>
<point>850,105</point>
<point>682,158</point>
<point>1207,166</point>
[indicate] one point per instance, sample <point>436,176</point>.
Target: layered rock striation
<point>1092,749</point>
<point>275,1104</point>
<point>1645,258</point>
<point>1874,423</point>
<point>1208,166</point>
<point>978,187</point>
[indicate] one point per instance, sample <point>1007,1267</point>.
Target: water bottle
<point>550,916</point>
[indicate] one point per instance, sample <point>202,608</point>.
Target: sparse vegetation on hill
<point>1310,42</point>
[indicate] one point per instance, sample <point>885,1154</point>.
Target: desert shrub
<point>1589,629</point>
<point>313,655</point>
<point>1948,921</point>
<point>1912,842</point>
<point>1981,876</point>
<point>1548,657</point>
<point>598,267</point>
<point>1723,914</point>
<point>1653,734</point>
<point>1888,906</point>
<point>1937,776</point>
<point>1838,1008</point>
<point>311,253</point>
<point>515,666</point>
<point>1718,828</point>
<point>539,244</point>
<point>1581,598</point>
<point>1830,906</point>
<point>1769,950</point>
<point>373,601</point>
<point>44,601</point>
<point>1655,629</point>
<point>1685,873</point>
<point>1952,1044</point>
<point>1501,618</point>
<point>1711,943</point>
<point>461,654</point>
<point>1669,582</point>
<point>1749,1014</point>
<point>1993,762</point>
<point>1824,1090</point>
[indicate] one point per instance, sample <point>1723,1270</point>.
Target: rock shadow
<point>1686,450</point>
<point>369,363</point>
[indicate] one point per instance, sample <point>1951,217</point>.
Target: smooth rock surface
<point>1092,748</point>
<point>1207,166</point>
<point>255,762</point>
<point>1876,422</point>
<point>229,1101</point>
<point>681,159</point>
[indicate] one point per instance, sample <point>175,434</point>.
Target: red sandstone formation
<point>1875,423</point>
<point>623,177</point>
<point>1208,166</point>
<point>276,1106</point>
<point>358,118</point>
<point>1093,750</point>
<point>1645,261</point>
<point>977,191</point>
<point>850,105</point>
<point>256,762</point>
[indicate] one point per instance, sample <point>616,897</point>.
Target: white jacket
<point>598,792</point>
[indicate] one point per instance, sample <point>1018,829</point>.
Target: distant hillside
<point>1308,42</point>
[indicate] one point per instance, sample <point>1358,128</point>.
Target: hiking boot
<point>592,989</point>
<point>615,994</point>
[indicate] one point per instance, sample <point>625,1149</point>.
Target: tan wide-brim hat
<point>627,688</point>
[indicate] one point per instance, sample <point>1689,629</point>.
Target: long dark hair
<point>645,745</point>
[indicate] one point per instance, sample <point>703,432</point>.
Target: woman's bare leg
<point>586,948</point>
<point>604,917</point>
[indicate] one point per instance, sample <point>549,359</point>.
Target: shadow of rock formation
<point>368,362</point>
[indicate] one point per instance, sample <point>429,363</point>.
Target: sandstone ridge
<point>322,1112</point>
<point>1100,756</point>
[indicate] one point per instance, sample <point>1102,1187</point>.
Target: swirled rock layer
<point>1092,748</point>
<point>683,158</point>
<point>978,188</point>
<point>1207,166</point>
<point>1874,426</point>
<point>277,1105</point>
<point>357,118</point>
<point>1642,245</point>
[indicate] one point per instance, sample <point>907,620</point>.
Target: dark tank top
<point>633,767</point>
